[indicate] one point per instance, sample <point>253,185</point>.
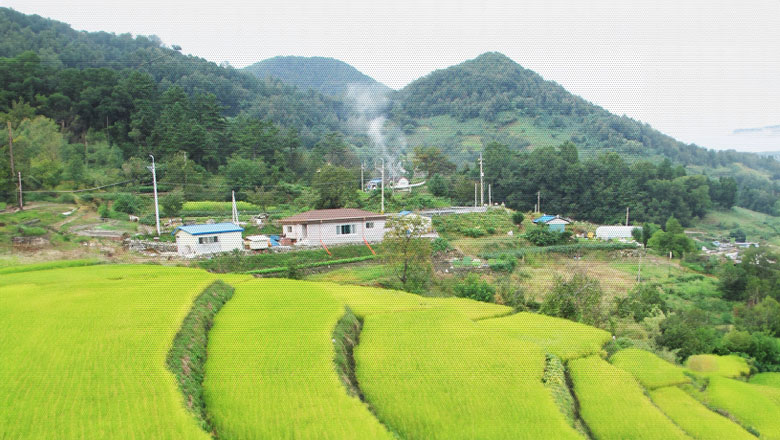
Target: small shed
<point>554,222</point>
<point>614,232</point>
<point>258,242</point>
<point>373,184</point>
<point>196,240</point>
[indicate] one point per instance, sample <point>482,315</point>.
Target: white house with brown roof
<point>333,226</point>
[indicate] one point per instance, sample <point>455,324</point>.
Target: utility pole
<point>11,148</point>
<point>481,182</point>
<point>490,195</point>
<point>383,186</point>
<point>626,215</point>
<point>235,210</point>
<point>154,186</point>
<point>475,194</point>
<point>21,202</point>
<point>362,185</point>
<point>539,202</point>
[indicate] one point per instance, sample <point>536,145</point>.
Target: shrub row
<point>237,262</point>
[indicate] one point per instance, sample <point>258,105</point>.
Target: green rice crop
<point>766,379</point>
<point>614,406</point>
<point>694,418</point>
<point>559,249</point>
<point>84,349</point>
<point>754,406</point>
<point>561,337</point>
<point>48,265</point>
<point>650,370</point>
<point>270,370</point>
<point>188,208</point>
<point>434,374</point>
<point>726,366</point>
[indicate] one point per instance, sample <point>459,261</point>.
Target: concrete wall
<point>311,234</point>
<point>189,246</point>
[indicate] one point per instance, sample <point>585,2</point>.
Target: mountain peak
<point>325,75</point>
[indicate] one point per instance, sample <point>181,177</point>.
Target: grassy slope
<point>694,418</point>
<point>614,406</point>
<point>650,370</point>
<point>270,370</point>
<point>435,374</point>
<point>83,352</point>
<point>767,379</point>
<point>757,226</point>
<point>563,338</point>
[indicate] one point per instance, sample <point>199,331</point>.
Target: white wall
<point>327,233</point>
<point>189,247</point>
<point>611,232</point>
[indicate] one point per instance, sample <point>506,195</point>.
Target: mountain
<point>325,75</point>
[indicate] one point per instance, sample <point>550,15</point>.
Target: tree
<point>762,317</point>
<point>431,161</point>
<point>643,301</point>
<point>732,281</point>
<point>475,288</point>
<point>407,254</point>
<point>171,204</point>
<point>438,186</point>
<point>336,187</point>
<point>643,234</point>
<point>688,332</point>
<point>517,218</point>
<point>672,240</point>
<point>578,298</point>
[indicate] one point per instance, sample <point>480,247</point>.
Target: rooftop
<point>328,215</point>
<point>216,228</point>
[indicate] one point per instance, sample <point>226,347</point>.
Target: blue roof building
<point>554,222</point>
<point>196,240</point>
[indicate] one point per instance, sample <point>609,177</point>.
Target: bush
<point>517,218</point>
<point>171,204</point>
<point>440,245</point>
<point>28,231</point>
<point>103,211</point>
<point>127,203</point>
<point>66,198</point>
<point>578,299</point>
<point>474,232</point>
<point>543,236</point>
<point>475,288</point>
<point>505,264</point>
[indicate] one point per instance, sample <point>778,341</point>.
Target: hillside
<point>325,75</point>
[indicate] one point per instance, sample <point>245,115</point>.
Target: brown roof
<point>330,215</point>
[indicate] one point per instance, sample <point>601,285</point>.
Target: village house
<point>333,226</point>
<point>554,222</point>
<point>197,240</point>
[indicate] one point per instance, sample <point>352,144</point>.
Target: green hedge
<point>236,262</point>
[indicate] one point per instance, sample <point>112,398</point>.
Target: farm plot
<point>650,370</point>
<point>754,406</point>
<point>270,371</point>
<point>561,337</point>
<point>726,366</point>
<point>614,406</point>
<point>84,349</point>
<point>694,418</point>
<point>435,374</point>
<point>766,379</point>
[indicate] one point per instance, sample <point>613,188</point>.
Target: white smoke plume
<point>370,105</point>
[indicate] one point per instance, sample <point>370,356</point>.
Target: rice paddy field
<point>726,366</point>
<point>84,357</point>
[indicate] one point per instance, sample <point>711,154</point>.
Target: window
<point>207,240</point>
<point>345,229</point>
<point>369,225</point>
<point>289,229</point>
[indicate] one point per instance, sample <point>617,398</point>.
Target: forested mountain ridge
<point>325,75</point>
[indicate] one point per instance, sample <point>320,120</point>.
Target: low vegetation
<point>726,366</point>
<point>753,406</point>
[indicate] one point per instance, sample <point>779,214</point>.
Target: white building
<point>614,232</point>
<point>196,240</point>
<point>258,242</point>
<point>333,226</point>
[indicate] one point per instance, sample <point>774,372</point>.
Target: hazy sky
<point>693,69</point>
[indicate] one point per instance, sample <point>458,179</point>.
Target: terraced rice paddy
<point>84,356</point>
<point>650,370</point>
<point>83,352</point>
<point>563,338</point>
<point>726,366</point>
<point>754,406</point>
<point>434,374</point>
<point>694,418</point>
<point>614,406</point>
<point>767,379</point>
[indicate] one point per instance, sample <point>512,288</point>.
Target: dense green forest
<point>86,109</point>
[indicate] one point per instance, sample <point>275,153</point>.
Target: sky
<point>696,70</point>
